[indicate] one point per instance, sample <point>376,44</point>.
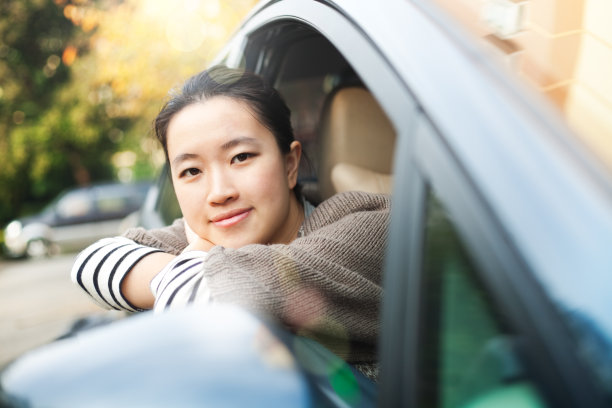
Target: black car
<point>497,276</point>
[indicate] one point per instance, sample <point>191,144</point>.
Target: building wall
<point>563,49</point>
<point>568,55</point>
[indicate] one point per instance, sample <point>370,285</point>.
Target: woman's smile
<point>231,218</point>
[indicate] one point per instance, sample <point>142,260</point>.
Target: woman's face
<point>232,181</point>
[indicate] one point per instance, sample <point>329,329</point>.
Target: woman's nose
<point>221,187</point>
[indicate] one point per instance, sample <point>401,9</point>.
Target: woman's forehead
<point>219,123</point>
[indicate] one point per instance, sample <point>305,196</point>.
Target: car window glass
<point>468,355</point>
<point>120,199</point>
<point>74,204</point>
<point>347,137</point>
<point>167,203</point>
<point>109,204</point>
<point>309,70</point>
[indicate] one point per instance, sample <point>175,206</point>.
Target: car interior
<point>347,138</point>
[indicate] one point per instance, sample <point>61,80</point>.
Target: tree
<point>30,71</point>
<point>81,81</point>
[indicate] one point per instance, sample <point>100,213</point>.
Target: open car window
<point>347,137</point>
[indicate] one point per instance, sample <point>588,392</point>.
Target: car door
<point>306,49</point>
<point>482,212</point>
<point>479,162</point>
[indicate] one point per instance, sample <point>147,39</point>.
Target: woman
<point>247,237</point>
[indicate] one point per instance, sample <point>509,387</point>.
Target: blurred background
<point>81,82</point>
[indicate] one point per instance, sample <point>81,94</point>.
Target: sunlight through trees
<point>82,80</point>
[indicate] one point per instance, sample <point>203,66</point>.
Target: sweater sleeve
<point>170,239</point>
<point>100,268</point>
<point>326,285</point>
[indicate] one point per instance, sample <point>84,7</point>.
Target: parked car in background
<point>497,274</point>
<point>75,219</point>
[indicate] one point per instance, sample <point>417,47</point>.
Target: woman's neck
<point>295,219</point>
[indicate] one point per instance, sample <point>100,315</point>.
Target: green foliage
<point>82,80</point>
<point>30,72</point>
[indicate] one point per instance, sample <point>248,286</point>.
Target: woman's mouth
<point>231,218</point>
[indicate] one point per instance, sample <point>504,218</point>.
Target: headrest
<point>356,143</point>
<point>347,177</point>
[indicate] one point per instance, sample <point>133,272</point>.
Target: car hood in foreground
<point>216,356</point>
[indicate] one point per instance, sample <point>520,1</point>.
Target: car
<point>76,218</point>
<point>497,271</point>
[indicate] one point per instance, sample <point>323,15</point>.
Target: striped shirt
<point>100,269</point>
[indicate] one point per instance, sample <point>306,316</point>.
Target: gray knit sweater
<point>324,285</point>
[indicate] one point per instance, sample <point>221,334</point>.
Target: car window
<point>111,203</point>
<point>119,199</point>
<point>75,204</point>
<point>310,69</point>
<point>167,204</point>
<point>468,355</point>
<point>346,135</point>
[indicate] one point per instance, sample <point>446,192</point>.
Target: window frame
<point>352,42</point>
<point>344,34</point>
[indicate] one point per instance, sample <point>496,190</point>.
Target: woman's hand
<point>196,243</point>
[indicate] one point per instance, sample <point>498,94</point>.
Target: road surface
<point>38,302</point>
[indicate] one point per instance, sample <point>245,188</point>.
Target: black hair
<point>261,98</point>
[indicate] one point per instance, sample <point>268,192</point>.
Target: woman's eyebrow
<point>238,141</point>
<point>225,146</point>
<point>182,157</point>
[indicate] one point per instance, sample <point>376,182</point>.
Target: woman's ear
<point>292,162</point>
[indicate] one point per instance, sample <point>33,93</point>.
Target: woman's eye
<point>239,158</point>
<point>190,172</point>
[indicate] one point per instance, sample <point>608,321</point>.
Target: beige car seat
<point>356,141</point>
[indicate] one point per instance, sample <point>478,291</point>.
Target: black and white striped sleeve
<point>181,282</point>
<point>101,267</point>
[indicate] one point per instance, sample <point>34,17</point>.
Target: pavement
<point>38,303</point>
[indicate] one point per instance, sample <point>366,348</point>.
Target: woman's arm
<point>101,269</point>
<point>135,287</point>
<point>117,272</point>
